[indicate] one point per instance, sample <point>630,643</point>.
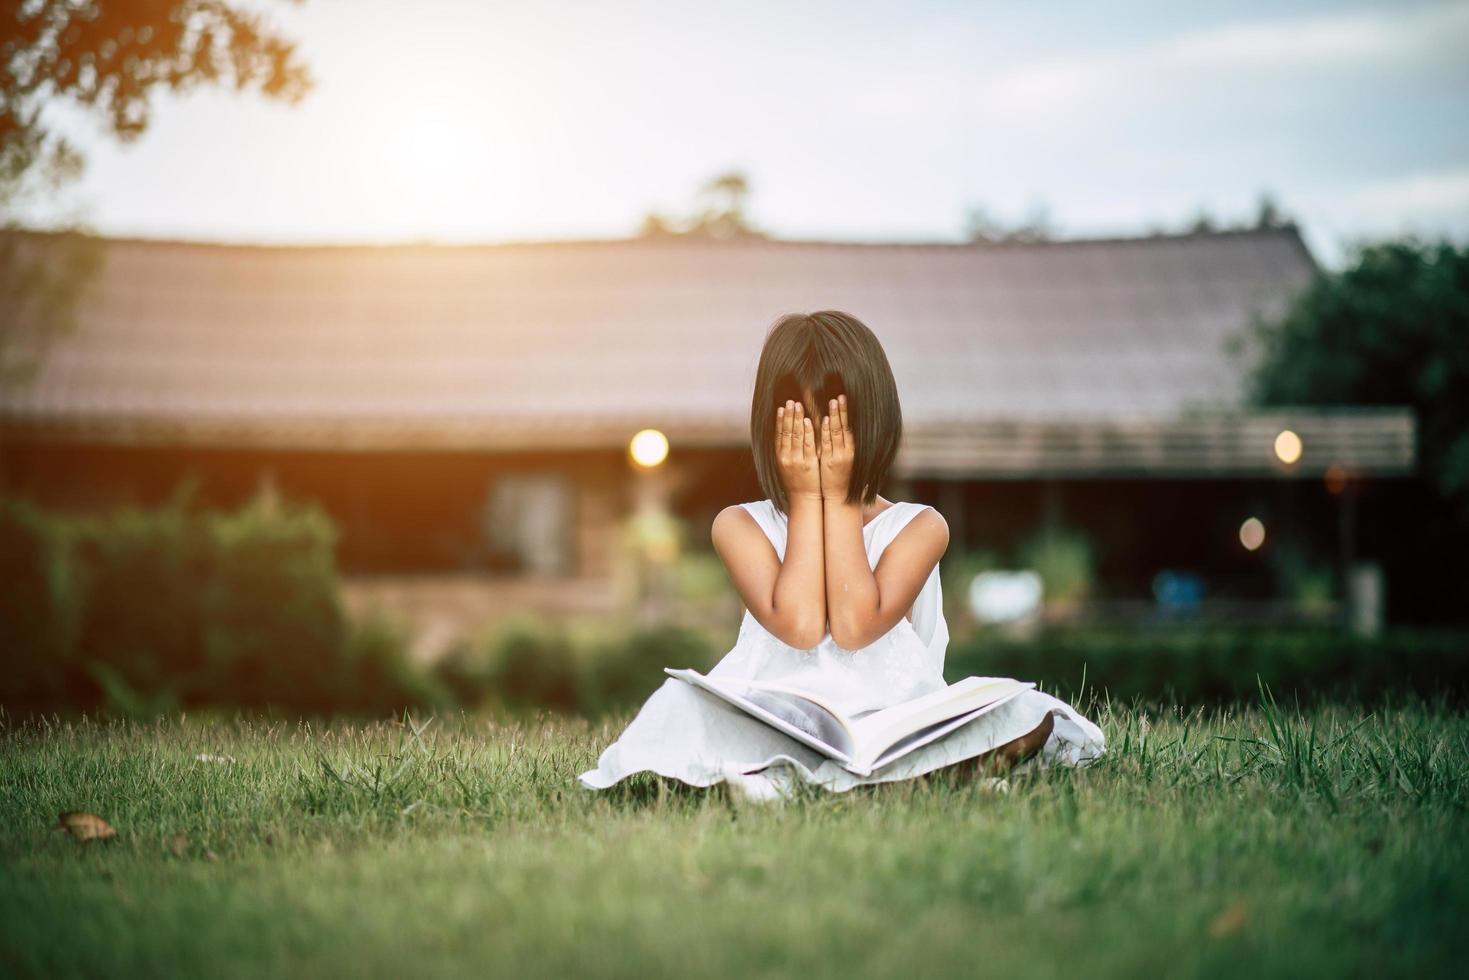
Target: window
<point>528,523</point>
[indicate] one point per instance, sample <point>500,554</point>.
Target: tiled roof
<point>579,343</point>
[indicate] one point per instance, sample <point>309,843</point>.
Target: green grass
<point>1250,842</point>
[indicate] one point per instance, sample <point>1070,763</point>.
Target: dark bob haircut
<point>822,355</point>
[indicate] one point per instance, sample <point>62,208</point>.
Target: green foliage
<point>1193,665</point>
<point>1063,559</point>
<point>146,610</point>
<point>1309,583</point>
<point>1252,841</point>
<point>138,574</point>
<point>1393,329</point>
<point>376,678</point>
<point>528,663</point>
<point>699,577</point>
<point>275,626</point>
<point>623,671</point>
<point>110,62</point>
<point>113,63</point>
<point>44,277</point>
<point>38,614</point>
<point>524,661</point>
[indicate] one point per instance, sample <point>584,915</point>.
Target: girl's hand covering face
<point>795,451</point>
<point>836,450</point>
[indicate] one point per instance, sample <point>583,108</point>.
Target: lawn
<point>1241,842</point>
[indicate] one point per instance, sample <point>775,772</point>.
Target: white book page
<point>877,732</point>
<point>806,721</point>
<point>921,738</point>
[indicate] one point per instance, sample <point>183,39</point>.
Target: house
<point>464,412</point>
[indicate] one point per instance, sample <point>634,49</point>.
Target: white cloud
<point>1426,195</point>
<point>1078,82</point>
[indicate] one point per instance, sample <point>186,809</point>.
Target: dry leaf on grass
<point>180,844</point>
<point>1229,921</point>
<point>84,826</point>
<point>210,856</point>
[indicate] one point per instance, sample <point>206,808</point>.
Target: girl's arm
<point>787,598</point>
<point>864,603</point>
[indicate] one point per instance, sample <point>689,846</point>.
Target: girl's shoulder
<point>903,513</point>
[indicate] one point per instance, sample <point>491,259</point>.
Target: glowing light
<point>1288,446</point>
<point>1336,478</point>
<point>648,448</point>
<point>1252,534</point>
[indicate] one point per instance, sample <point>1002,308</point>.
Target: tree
<point>1392,329</point>
<point>1268,214</point>
<point>108,56</point>
<point>720,213</point>
<point>982,226</point>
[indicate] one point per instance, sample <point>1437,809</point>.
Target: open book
<point>867,741</point>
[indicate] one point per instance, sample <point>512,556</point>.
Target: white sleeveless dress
<point>692,736</point>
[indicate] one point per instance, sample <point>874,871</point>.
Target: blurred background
<point>360,356</point>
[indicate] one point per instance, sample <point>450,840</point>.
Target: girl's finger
<point>780,427</point>
<point>842,407</point>
<point>798,427</point>
<point>836,425</point>
<point>808,440</point>
<point>826,436</point>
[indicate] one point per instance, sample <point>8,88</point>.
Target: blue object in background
<point>1178,593</point>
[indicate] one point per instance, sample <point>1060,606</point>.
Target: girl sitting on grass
<point>841,591</point>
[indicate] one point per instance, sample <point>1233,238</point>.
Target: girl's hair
<point>827,353</point>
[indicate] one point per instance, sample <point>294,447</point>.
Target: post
<point>1346,533</point>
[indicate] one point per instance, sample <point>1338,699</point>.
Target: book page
<point>881,730</point>
<point>921,738</point>
<point>801,719</point>
<point>804,714</point>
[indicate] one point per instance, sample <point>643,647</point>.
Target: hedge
<point>1198,664</point>
<point>527,663</point>
<point>146,611</point>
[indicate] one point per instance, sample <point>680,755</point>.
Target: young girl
<point>841,591</point>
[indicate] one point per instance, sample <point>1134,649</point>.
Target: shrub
<point>525,664</point>
<point>38,616</point>
<point>377,677</point>
<point>142,611</point>
<point>1216,665</point>
<point>622,673</point>
<point>138,575</point>
<point>1064,561</point>
<point>275,631</point>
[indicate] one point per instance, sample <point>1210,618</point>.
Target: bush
<point>1191,665</point>
<point>377,677</point>
<point>37,615</point>
<point>143,611</point>
<point>1064,561</point>
<point>622,673</point>
<point>275,628</point>
<point>137,591</point>
<point>525,664</point>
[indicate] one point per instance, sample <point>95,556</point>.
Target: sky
<point>457,121</point>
